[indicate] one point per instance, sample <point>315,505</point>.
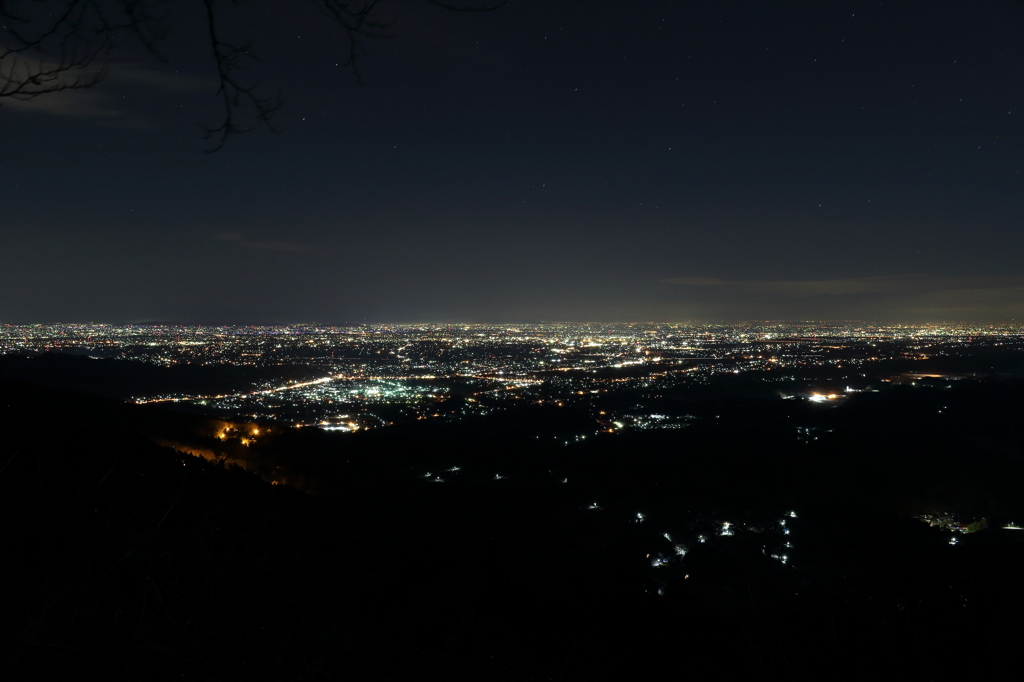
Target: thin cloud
<point>275,246</point>
<point>817,287</point>
<point>885,284</point>
<point>105,101</point>
<point>239,240</point>
<point>908,297</point>
<point>139,74</point>
<point>71,103</point>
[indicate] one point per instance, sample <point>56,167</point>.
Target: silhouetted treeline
<point>126,379</point>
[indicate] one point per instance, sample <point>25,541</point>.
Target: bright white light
<point>667,536</point>
<point>792,514</point>
<point>818,398</point>
<point>680,550</point>
<point>953,540</point>
<point>640,517</point>
<point>702,538</point>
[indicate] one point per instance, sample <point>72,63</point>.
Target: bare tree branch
<point>50,46</point>
<point>488,7</point>
<point>66,52</point>
<point>232,93</point>
<point>357,20</point>
<point>57,53</point>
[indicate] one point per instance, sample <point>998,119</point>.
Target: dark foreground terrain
<point>145,544</point>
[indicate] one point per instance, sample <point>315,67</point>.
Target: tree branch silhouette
<point>488,7</point>
<point>233,93</point>
<point>54,46</point>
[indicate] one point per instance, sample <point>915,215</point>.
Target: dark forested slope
<point>127,557</point>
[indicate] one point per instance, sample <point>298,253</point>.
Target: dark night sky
<point>553,160</point>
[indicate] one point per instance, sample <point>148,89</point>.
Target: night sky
<point>639,160</point>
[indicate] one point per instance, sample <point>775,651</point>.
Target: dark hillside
<point>132,560</point>
<point>126,379</point>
